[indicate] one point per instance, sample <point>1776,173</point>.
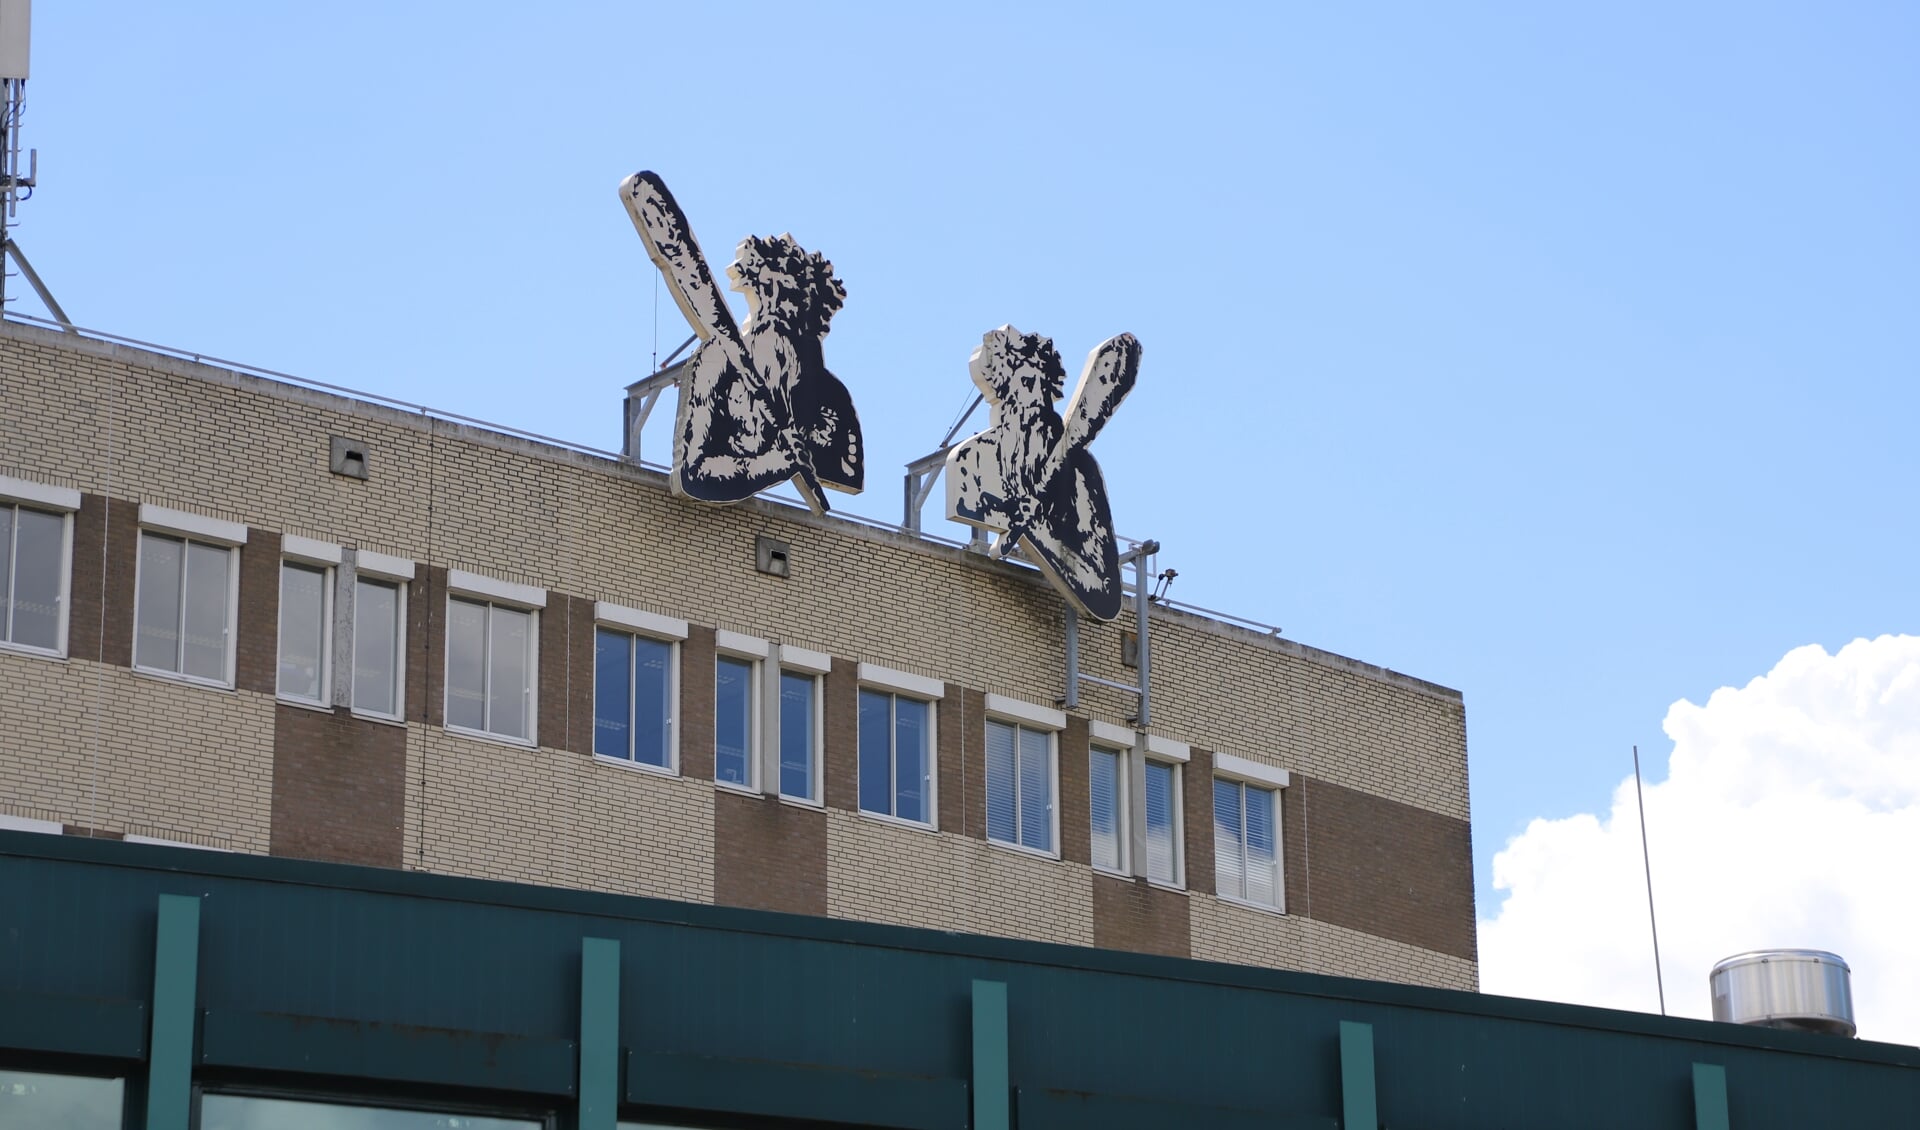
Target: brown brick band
<point>1382,867</point>
<point>1136,915</point>
<point>256,651</point>
<point>768,855</point>
<point>339,787</point>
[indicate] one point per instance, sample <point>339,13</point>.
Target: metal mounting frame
<point>1141,557</point>
<point>643,394</point>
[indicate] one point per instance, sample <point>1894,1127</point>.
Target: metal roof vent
<point>1799,990</point>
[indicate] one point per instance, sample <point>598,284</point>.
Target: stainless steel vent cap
<point>1799,990</point>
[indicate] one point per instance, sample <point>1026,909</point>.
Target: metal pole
<point>1072,699</point>
<point>1142,574</point>
<point>1647,859</point>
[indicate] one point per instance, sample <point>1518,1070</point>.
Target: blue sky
<point>1564,354</point>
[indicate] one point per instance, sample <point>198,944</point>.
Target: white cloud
<point>1789,816</point>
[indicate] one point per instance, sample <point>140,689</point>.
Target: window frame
<point>491,593</point>
<point>381,569</point>
<point>751,651</point>
<point>813,666</point>
<point>1004,711</point>
<point>307,553</point>
<point>61,502</point>
<point>1248,774</point>
<point>190,529</point>
<point>898,684</point>
<point>669,630</point>
<point>1123,823</point>
<point>1177,803</point>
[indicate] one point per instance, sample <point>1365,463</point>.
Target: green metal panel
<point>1357,1102</point>
<point>991,1097</point>
<point>400,1053</point>
<point>176,966</point>
<point>1710,1097</point>
<point>795,1090</point>
<point>599,1033</point>
<point>361,979</point>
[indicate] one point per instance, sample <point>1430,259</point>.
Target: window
<point>635,686</point>
<point>185,596</point>
<point>379,651</point>
<point>1162,788</point>
<point>799,734</point>
<point>1246,842</point>
<point>59,1102</point>
<point>735,682</point>
<point>248,1112</point>
<point>1019,786</point>
<point>306,631</point>
<point>492,655</point>
<point>1107,777</point>
<point>896,756</point>
<point>34,549</point>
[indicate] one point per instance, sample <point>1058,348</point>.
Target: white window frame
<point>1179,807</point>
<point>480,589</point>
<point>18,494</point>
<point>902,684</point>
<point>1123,811</point>
<point>326,557</point>
<point>1041,720</point>
<point>381,568</point>
<point>752,651</point>
<point>190,527</point>
<point>813,665</point>
<point>1246,772</point>
<point>669,630</point>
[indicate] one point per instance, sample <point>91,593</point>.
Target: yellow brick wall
<point>98,746</point>
<point>547,816</point>
<point>134,424</point>
<point>1225,931</point>
<point>879,872</point>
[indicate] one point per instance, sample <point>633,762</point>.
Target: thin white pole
<point>1647,860</point>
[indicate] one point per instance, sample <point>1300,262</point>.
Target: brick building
<point>476,654</point>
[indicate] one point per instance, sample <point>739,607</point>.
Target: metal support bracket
<point>923,472</point>
<point>33,279</point>
<point>1141,557</point>
<point>642,395</point>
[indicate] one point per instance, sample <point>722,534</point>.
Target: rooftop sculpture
<point>758,405</point>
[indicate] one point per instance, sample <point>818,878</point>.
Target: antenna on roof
<point>16,22</point>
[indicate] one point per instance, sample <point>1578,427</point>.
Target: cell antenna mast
<point>16,184</point>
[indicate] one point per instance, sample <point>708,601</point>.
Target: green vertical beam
<point>992,1096</point>
<point>1359,1110</point>
<point>176,972</point>
<point>1710,1097</point>
<point>599,1033</point>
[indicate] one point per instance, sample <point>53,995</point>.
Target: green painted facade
<point>189,973</point>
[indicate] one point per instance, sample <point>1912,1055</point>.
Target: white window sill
<point>735,787</point>
<point>183,680</point>
<point>897,822</point>
<point>496,739</point>
<point>1109,872</point>
<point>26,649</point>
<point>1022,849</point>
<point>635,766</point>
<point>304,704</point>
<point>1179,888</point>
<point>802,802</point>
<point>381,719</point>
<point>1262,907</point>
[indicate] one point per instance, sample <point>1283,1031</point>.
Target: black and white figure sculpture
<point>1029,476</point>
<point>758,406</point>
